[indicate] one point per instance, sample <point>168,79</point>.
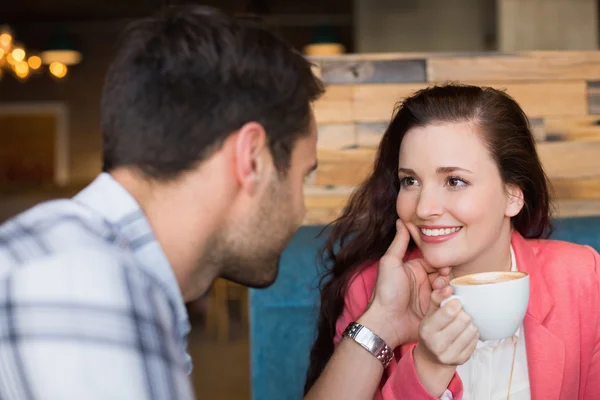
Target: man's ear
<point>252,155</point>
<point>515,200</point>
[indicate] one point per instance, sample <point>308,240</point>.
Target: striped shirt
<point>89,305</point>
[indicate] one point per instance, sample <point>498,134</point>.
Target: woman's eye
<point>456,182</point>
<point>408,181</point>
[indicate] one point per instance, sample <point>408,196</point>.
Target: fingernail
<point>455,306</point>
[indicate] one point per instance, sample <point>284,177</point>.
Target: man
<point>208,136</point>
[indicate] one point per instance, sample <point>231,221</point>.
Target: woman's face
<point>452,198</point>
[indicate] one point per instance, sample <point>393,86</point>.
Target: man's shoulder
<point>87,277</point>
<point>52,228</point>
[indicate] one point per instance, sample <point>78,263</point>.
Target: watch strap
<point>370,342</point>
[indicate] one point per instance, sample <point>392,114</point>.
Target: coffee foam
<point>487,278</point>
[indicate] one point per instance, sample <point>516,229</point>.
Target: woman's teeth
<point>439,232</point>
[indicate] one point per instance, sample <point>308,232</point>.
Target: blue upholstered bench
<point>283,317</point>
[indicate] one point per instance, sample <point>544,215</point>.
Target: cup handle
<point>447,299</point>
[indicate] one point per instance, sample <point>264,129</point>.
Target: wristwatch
<point>370,342</point>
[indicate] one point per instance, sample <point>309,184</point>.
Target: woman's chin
<point>439,261</point>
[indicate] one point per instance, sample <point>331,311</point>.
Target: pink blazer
<point>562,324</point>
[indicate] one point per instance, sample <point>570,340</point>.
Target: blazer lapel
<point>545,360</point>
<point>545,351</point>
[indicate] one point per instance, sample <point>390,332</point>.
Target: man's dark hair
<point>185,79</point>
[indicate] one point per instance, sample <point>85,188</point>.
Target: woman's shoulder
<point>552,250</point>
<point>560,258</point>
<point>569,274</point>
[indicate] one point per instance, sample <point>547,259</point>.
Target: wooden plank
<point>342,71</point>
<point>335,106</point>
<point>341,156</point>
<point>377,102</point>
<point>325,204</point>
<point>575,56</point>
<point>594,97</point>
<point>347,167</point>
<point>576,188</point>
<point>537,129</point>
<point>568,160</point>
<point>577,128</point>
<point>320,216</point>
<point>336,136</point>
<point>577,208</point>
<point>552,66</point>
<point>538,99</point>
<point>331,197</point>
<point>369,134</point>
<point>342,173</point>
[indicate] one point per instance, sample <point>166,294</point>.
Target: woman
<point>458,167</point>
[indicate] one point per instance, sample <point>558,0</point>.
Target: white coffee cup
<point>495,301</point>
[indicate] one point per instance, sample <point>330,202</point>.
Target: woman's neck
<point>495,258</point>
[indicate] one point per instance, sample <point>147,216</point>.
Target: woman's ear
<point>515,200</point>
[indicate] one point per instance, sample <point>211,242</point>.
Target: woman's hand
<point>446,334</point>
<point>402,292</point>
<point>447,338</point>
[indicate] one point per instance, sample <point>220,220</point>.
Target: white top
<point>486,375</point>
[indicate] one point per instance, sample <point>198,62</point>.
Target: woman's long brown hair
<point>366,227</point>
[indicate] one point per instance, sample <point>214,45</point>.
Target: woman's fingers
<point>447,332</point>
<point>457,338</point>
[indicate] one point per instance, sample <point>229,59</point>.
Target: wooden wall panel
<point>577,128</point>
<point>368,134</point>
<point>544,98</point>
<point>594,97</point>
<point>577,208</point>
<point>570,160</point>
<point>335,106</point>
<point>345,167</point>
<point>377,102</point>
<point>582,188</point>
<point>559,91</point>
<point>527,67</point>
<point>375,71</point>
<point>337,136</point>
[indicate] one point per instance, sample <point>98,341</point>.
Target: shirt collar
<point>111,201</point>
